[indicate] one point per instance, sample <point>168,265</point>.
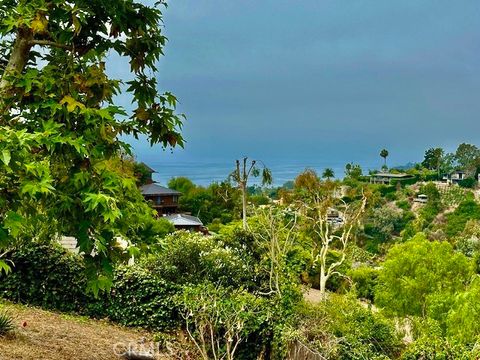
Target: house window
<point>175,199</point>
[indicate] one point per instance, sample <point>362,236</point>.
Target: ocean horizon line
<point>205,173</point>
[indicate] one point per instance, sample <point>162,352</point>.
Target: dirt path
<point>312,295</point>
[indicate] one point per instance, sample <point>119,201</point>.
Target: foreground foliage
<point>238,294</point>
<point>60,127</point>
<point>6,323</point>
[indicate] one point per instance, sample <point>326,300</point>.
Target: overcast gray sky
<point>321,79</point>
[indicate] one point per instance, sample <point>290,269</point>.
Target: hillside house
<point>388,178</point>
<point>455,177</point>
<point>164,200</point>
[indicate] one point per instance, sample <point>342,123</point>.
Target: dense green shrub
<point>431,190</point>
<point>404,205</point>
<point>341,328</point>
<point>428,213</point>
<point>372,244</point>
<point>405,182</point>
<point>468,183</point>
<point>215,226</point>
<point>411,228</point>
<point>436,348</point>
<point>462,321</point>
<point>391,196</point>
<point>138,298</point>
<point>433,206</point>
<point>46,275</point>
<point>430,272</point>
<point>217,201</point>
<point>467,210</point>
<point>365,280</point>
<point>384,190</point>
<point>194,258</point>
<point>154,230</point>
<point>384,223</point>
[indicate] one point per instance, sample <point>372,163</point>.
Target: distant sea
<point>204,173</point>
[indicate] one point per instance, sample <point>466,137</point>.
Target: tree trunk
<point>243,186</point>
<point>16,63</point>
<point>18,57</point>
<point>323,283</point>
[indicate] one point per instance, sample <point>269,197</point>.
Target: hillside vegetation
<point>393,255</point>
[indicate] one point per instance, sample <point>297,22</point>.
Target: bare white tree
<point>243,171</point>
<point>331,233</point>
<point>277,232</point>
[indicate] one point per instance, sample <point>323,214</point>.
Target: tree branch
<point>51,44</point>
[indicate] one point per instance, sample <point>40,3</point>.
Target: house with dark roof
<point>164,200</point>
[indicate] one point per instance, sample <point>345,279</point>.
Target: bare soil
<point>45,335</point>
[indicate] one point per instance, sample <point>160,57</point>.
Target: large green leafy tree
<point>60,127</point>
<point>467,157</point>
<point>218,202</point>
<point>433,159</point>
<point>420,278</point>
<point>353,171</point>
<point>462,320</point>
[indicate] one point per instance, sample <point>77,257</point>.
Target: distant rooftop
<point>184,220</point>
<point>155,189</point>
<point>390,175</point>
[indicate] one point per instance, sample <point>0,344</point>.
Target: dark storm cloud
<point>334,79</point>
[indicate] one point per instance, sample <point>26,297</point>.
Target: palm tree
<point>328,174</point>
<point>384,155</point>
<point>241,174</point>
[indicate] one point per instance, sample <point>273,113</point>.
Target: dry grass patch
<point>45,335</point>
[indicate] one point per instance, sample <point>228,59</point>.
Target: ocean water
<point>204,173</point>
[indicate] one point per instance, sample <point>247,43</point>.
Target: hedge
<point>141,299</point>
<point>48,276</point>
